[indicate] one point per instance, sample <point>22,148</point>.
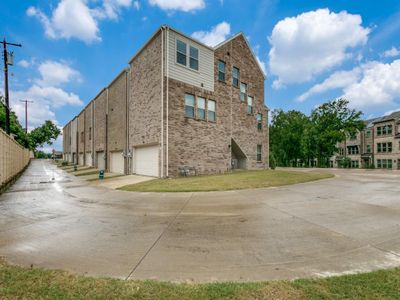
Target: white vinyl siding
<point>205,74</point>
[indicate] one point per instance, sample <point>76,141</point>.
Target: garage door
<point>146,161</point>
<point>100,160</point>
<point>88,160</point>
<point>117,162</point>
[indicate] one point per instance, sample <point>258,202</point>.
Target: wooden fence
<point>13,158</point>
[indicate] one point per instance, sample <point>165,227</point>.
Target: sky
<point>311,51</point>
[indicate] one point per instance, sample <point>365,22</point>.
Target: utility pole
<point>26,113</point>
<point>7,62</point>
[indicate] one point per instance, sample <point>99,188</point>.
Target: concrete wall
<point>13,158</point>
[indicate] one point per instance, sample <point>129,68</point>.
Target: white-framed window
<point>194,58</point>
<point>181,57</point>
<point>259,152</point>
<point>250,105</point>
<point>211,110</point>
<point>259,121</point>
<point>201,108</point>
<point>235,76</point>
<point>243,91</point>
<point>189,106</point>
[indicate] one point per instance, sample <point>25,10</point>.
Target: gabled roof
<point>393,116</point>
<point>248,45</point>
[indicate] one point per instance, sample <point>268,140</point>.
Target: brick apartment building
<point>180,107</point>
<point>377,145</point>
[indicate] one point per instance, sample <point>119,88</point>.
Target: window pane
<point>211,105</point>
<point>189,111</point>
<point>249,105</point>
<point>235,76</point>
<point>201,108</point>
<point>243,91</point>
<point>211,116</point>
<point>189,100</point>
<point>181,58</point>
<point>259,147</point>
<point>194,64</point>
<point>181,46</point>
<point>194,52</point>
<point>221,66</point>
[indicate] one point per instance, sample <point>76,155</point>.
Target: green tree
<point>286,136</point>
<point>332,122</point>
<point>15,127</point>
<point>44,134</point>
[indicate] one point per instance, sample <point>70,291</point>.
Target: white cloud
<point>391,111</point>
<point>182,5</point>
<point>24,63</point>
<point>75,19</point>
<point>393,52</point>
<point>312,42</point>
<point>373,84</point>
<point>216,35</point>
<point>339,79</point>
<point>46,94</point>
<point>54,73</point>
<point>262,65</point>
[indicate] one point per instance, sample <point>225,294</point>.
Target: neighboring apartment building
<point>378,145</point>
<point>180,108</point>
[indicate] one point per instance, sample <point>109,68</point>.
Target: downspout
<point>106,145</point>
<point>162,102</point>
<point>127,124</point>
<point>167,67</point>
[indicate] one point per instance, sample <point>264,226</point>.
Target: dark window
<point>353,136</point>
<point>189,106</point>
<point>194,58</point>
<point>235,76</point>
<point>259,150</point>
<point>201,108</point>
<point>243,91</point>
<point>82,137</point>
<point>90,133</point>
<point>368,133</point>
<point>249,105</point>
<point>351,150</point>
<point>221,70</point>
<point>259,121</point>
<point>211,110</point>
<point>180,52</point>
<point>369,149</point>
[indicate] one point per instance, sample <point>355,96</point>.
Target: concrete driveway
<point>347,224</point>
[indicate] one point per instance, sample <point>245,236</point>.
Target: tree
<point>44,134</point>
<point>332,122</point>
<point>286,136</point>
<point>38,137</point>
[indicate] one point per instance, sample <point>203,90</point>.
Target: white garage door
<point>80,162</point>
<point>146,161</point>
<point>88,160</point>
<point>117,162</point>
<point>100,160</point>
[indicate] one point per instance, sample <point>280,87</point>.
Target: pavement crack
<point>159,237</point>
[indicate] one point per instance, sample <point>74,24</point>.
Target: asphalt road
<point>343,225</point>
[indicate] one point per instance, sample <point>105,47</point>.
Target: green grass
<point>232,181</point>
<point>36,283</point>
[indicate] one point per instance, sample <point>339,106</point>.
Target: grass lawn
<point>35,283</point>
<point>232,181</point>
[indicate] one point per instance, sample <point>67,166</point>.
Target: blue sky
<point>312,51</point>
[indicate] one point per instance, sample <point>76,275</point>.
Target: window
<point>201,108</point>
<point>368,133</point>
<point>354,164</point>
<point>351,150</point>
<point>388,129</point>
<point>249,105</point>
<point>180,52</point>
<point>379,131</point>
<point>259,148</point>
<point>194,58</point>
<point>82,137</point>
<point>221,70</point>
<point>353,136</point>
<point>243,91</point>
<point>369,149</point>
<point>70,139</point>
<point>189,106</point>
<point>384,147</point>
<point>235,76</point>
<point>384,163</point>
<point>259,121</point>
<point>211,110</point>
<point>385,130</point>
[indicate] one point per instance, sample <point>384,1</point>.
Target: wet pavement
<point>343,225</point>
